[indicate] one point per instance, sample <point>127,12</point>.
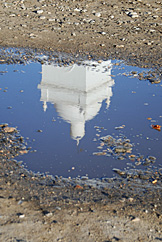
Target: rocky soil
<point>130,30</point>
<point>38,207</point>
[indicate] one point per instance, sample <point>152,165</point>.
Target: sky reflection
<point>67,103</point>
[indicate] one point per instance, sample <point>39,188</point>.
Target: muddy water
<point>64,111</point>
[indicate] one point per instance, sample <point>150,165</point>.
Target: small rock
<point>20,215</point>
<point>39,11</point>
<point>12,15</point>
<point>119,172</point>
<point>23,7</point>
<point>51,19</point>
<point>135,219</point>
<point>42,17</point>
<point>133,14</point>
<point>83,178</point>
<point>45,212</point>
<point>97,14</point>
<point>58,208</point>
<point>73,34</point>
<point>20,202</point>
<point>103,33</point>
<point>9,129</point>
<point>23,25</point>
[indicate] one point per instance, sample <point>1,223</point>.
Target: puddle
<point>64,111</point>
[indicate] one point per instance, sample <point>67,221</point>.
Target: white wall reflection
<point>77,92</point>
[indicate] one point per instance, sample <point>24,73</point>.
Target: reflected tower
<point>77,92</point>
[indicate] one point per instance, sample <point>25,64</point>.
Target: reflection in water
<point>77,92</point>
<point>78,97</point>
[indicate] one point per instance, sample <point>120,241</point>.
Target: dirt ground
<point>130,30</point>
<point>41,208</point>
<point>74,224</point>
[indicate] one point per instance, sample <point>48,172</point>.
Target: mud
<point>40,207</point>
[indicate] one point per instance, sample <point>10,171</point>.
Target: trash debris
<point>78,187</point>
<point>156,126</point>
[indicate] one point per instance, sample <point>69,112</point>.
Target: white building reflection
<point>77,92</point>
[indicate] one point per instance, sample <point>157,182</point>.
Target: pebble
<point>58,208</point>
<point>42,17</point>
<point>119,46</point>
<point>20,215</point>
<point>48,214</point>
<point>9,129</point>
<point>97,14</point>
<point>103,33</point>
<point>20,202</point>
<point>12,15</point>
<point>73,34</point>
<point>133,15</point>
<point>39,11</point>
<point>23,7</point>
<point>23,25</point>
<point>135,219</point>
<point>51,19</point>
<point>84,178</point>
<point>119,172</point>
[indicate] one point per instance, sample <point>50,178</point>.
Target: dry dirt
<point>130,30</point>
<point>38,209</point>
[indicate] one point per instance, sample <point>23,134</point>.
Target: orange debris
<point>78,187</point>
<point>157,127</point>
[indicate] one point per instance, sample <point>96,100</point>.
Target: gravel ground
<point>37,207</point>
<point>130,30</point>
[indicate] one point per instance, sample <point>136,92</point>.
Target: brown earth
<point>41,208</point>
<point>34,208</point>
<point>102,28</point>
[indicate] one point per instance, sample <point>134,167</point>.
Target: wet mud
<point>54,205</point>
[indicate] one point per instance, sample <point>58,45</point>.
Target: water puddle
<point>67,113</point>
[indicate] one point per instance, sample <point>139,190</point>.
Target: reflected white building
<point>77,92</point>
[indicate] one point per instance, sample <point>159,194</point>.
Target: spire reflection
<point>77,92</point>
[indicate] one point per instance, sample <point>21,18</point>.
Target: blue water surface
<point>73,107</point>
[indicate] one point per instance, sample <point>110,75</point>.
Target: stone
<point>73,34</point>
<point>51,19</point>
<point>133,15</point>
<point>12,15</point>
<point>9,129</point>
<point>39,11</point>
<point>135,219</point>
<point>103,33</point>
<point>97,14</point>
<point>42,17</point>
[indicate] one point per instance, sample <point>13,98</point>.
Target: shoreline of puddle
<point>149,77</point>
